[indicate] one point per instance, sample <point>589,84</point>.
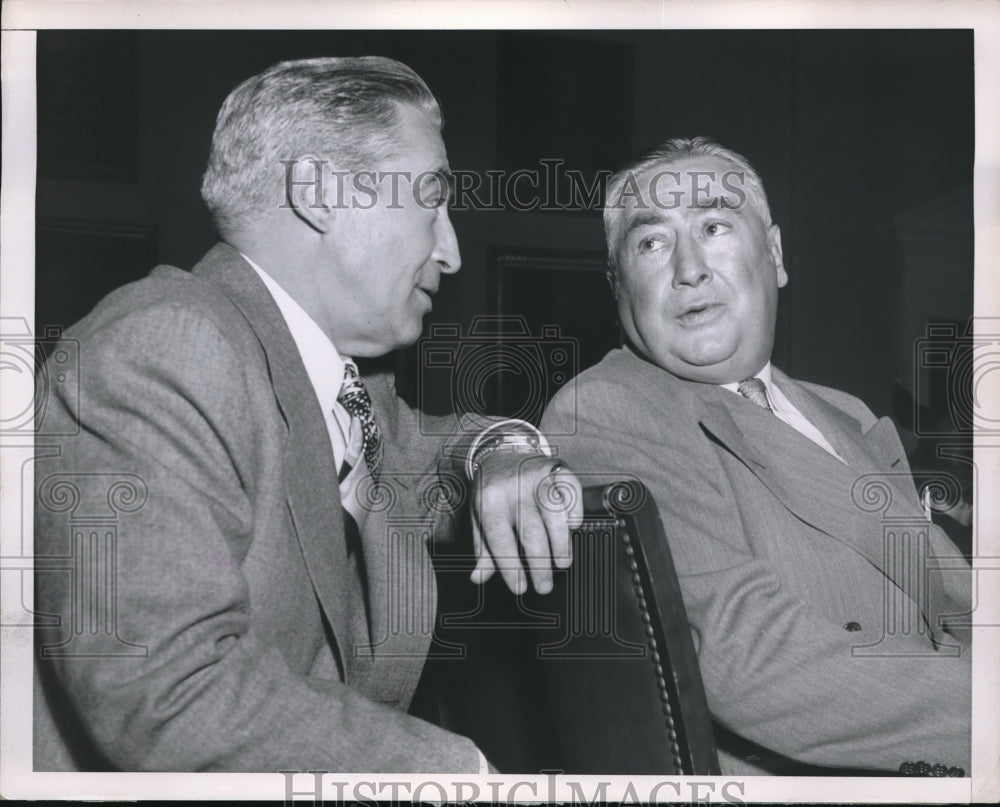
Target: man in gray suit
<point>827,640</point>
<point>232,563</point>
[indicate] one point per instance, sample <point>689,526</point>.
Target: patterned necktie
<point>753,389</point>
<point>356,400</point>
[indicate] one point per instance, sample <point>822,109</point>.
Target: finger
<point>502,545</point>
<point>568,493</point>
<point>535,547</point>
<point>484,568</point>
<point>562,509</point>
<point>554,501</point>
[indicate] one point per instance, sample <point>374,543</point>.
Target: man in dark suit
<point>830,615</point>
<point>258,595</point>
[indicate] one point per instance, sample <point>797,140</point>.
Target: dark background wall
<point>865,141</point>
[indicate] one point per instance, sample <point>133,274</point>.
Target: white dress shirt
<point>324,366</point>
<point>787,413</point>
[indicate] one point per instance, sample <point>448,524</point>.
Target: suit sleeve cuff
<point>512,428</point>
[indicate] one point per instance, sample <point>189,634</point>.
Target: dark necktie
<point>358,403</point>
<point>753,389</point>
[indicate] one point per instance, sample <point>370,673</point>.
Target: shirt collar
<point>779,403</point>
<point>764,374</point>
<point>324,364</point>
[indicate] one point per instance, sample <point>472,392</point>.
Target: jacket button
<point>852,627</point>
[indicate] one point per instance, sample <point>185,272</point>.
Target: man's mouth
<point>700,314</point>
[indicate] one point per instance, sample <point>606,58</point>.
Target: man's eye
<point>717,228</point>
<point>650,243</point>
<point>438,197</point>
<point>435,191</point>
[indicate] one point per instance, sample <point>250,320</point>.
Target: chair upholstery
<point>599,676</point>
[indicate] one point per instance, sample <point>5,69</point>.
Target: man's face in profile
<point>699,271</point>
<point>391,241</point>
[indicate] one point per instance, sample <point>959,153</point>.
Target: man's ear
<point>312,190</point>
<point>613,280</point>
<point>774,248</point>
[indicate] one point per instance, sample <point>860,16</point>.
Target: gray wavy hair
<point>341,109</point>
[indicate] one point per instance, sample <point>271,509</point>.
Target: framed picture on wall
<point>552,315</point>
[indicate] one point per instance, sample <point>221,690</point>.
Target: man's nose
<point>690,267</point>
<point>446,250</point>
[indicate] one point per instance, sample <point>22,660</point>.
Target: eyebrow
<point>716,203</point>
<point>642,220</point>
<point>443,171</point>
<point>650,219</point>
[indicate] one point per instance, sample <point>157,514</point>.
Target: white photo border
<point>20,20</point>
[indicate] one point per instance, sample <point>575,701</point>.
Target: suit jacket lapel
<point>820,489</point>
<point>879,456</point>
<point>311,478</point>
<point>862,447</point>
<point>813,484</point>
<point>402,593</point>
<point>872,452</point>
